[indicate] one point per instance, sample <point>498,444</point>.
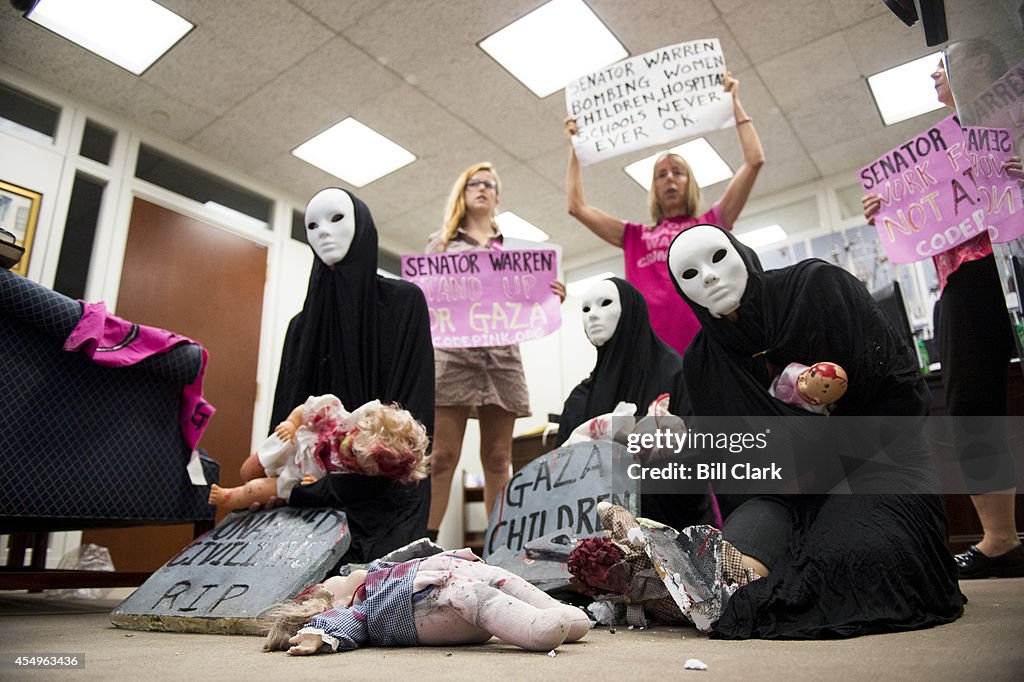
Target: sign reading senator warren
<point>657,97</point>
<point>943,187</point>
<point>487,298</point>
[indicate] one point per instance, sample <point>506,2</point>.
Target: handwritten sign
<point>226,578</point>
<point>657,97</point>
<point>552,502</point>
<point>487,298</point>
<point>941,188</point>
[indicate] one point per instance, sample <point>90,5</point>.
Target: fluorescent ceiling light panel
<point>353,152</point>
<point>553,44</point>
<point>514,227</point>
<point>131,33</point>
<point>762,236</point>
<point>580,286</point>
<point>906,91</point>
<point>708,167</point>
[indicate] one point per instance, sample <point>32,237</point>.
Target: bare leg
<point>996,513</point>
<point>449,429</point>
<point>256,490</point>
<point>751,562</point>
<point>495,451</point>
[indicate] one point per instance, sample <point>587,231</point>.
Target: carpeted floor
<point>984,645</point>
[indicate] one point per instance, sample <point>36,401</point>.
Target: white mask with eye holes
<point>709,269</point>
<point>602,308</point>
<point>330,224</point>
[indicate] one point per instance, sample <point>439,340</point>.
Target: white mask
<point>330,224</point>
<point>602,308</point>
<point>709,269</point>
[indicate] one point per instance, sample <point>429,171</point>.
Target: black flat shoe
<point>973,564</point>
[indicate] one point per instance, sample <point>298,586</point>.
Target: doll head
<point>283,620</point>
<point>822,383</point>
<point>385,440</point>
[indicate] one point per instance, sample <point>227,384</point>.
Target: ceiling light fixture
<point>514,227</point>
<point>130,33</point>
<point>353,152</point>
<point>708,167</point>
<point>762,236</point>
<point>907,90</point>
<point>555,43</point>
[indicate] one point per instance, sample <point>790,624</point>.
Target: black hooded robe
<point>636,366</point>
<point>362,337</point>
<point>856,563</point>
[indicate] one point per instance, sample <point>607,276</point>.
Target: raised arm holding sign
<point>675,203</point>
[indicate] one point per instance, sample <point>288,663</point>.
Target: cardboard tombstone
<point>224,580</point>
<point>550,504</point>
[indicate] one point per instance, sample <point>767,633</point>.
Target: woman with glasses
<point>482,383</point>
<point>675,205</point>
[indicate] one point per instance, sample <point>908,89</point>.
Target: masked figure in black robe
<point>633,366</point>
<point>361,337</point>
<point>838,564</point>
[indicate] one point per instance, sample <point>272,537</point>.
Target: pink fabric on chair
<point>113,342</point>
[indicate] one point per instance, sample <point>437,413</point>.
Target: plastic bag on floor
<point>88,557</point>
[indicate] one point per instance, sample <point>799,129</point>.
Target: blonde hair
<point>284,620</point>
<point>386,441</point>
<point>455,210</point>
<point>691,198</point>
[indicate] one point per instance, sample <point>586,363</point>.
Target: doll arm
<point>286,429</point>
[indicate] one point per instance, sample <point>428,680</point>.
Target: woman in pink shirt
<point>675,200</point>
<point>975,343</point>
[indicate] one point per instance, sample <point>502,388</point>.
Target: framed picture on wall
<point>19,213</point>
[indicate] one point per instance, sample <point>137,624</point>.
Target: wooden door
<point>207,284</point>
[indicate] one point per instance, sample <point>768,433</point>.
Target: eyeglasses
<point>489,184</point>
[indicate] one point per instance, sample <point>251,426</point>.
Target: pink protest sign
<point>943,187</point>
<point>487,298</point>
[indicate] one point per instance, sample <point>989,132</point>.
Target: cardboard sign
<point>225,579</point>
<point>943,187</point>
<point>550,504</point>
<point>487,298</point>
<point>658,97</point>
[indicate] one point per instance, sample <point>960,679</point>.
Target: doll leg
<point>509,583</point>
<point>252,468</point>
<point>438,625</point>
<point>511,620</point>
<point>256,490</point>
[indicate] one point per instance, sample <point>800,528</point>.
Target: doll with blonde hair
<point>321,437</point>
<point>444,599</point>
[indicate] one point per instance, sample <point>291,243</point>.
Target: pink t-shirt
<point>948,262</point>
<point>646,253</point>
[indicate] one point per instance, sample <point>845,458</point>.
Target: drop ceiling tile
<point>811,70</point>
<point>851,12</point>
<point>847,111</point>
<point>231,53</point>
<point>883,42</point>
<point>339,15</point>
<point>769,28</point>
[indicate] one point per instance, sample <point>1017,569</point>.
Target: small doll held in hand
<point>816,388</point>
<point>321,437</point>
<point>444,599</point>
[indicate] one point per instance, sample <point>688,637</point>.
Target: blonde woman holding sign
<point>483,383</point>
<point>675,205</point>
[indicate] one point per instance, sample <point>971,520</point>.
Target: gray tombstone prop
<point>550,504</point>
<point>226,578</point>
